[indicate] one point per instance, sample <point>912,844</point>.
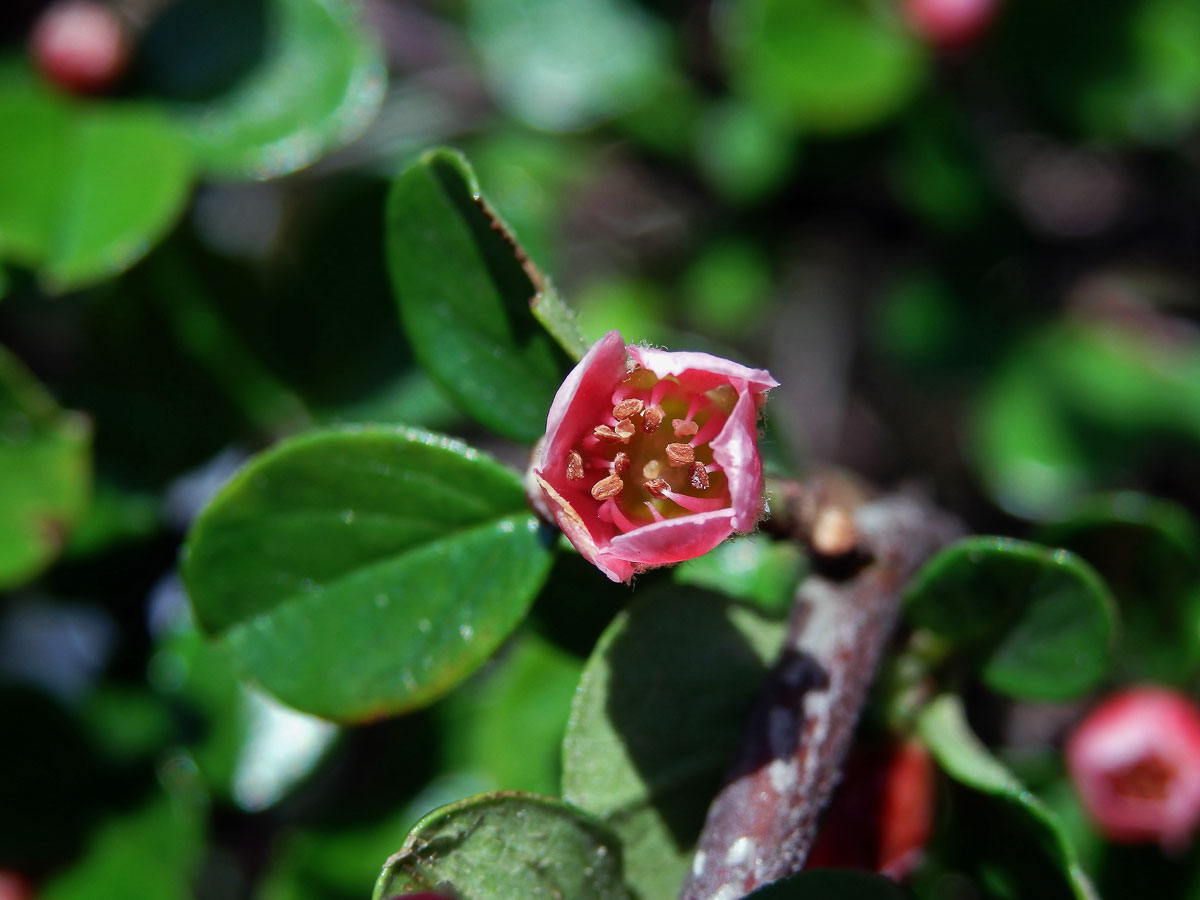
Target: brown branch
<point>761,825</point>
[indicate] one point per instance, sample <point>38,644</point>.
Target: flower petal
<point>713,370</point>
<point>735,450</point>
<point>572,525</point>
<point>673,540</point>
<point>587,388</point>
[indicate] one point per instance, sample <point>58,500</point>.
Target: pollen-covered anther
<point>698,476</point>
<point>620,463</point>
<point>680,454</point>
<point>607,487</point>
<point>627,408</point>
<point>574,466</point>
<point>606,433</point>
<point>684,428</point>
<point>652,417</point>
<point>658,487</point>
<point>652,470</point>
<point>625,430</point>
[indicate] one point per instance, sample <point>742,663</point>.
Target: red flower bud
<point>651,457</point>
<point>80,46</point>
<point>949,23</point>
<point>1135,762</point>
<point>882,813</point>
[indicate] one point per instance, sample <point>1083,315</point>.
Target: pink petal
<point>735,450</point>
<point>577,533</point>
<point>710,370</point>
<point>673,540</point>
<point>586,391</point>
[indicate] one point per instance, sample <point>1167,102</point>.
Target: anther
<point>627,408</point>
<point>698,476</point>
<point>625,430</point>
<point>574,466</point>
<point>652,417</point>
<point>607,487</point>
<point>657,487</point>
<point>605,433</point>
<point>652,470</point>
<point>684,428</point>
<point>680,454</point>
<point>620,463</point>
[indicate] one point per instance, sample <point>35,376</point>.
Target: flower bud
<point>651,457</point>
<point>949,23</point>
<point>80,46</point>
<point>1135,762</point>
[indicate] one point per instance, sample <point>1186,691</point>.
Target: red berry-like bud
<point>949,23</point>
<point>882,814</point>
<point>80,46</point>
<point>1135,762</point>
<point>14,887</point>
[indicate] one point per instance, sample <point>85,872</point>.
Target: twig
<point>761,825</point>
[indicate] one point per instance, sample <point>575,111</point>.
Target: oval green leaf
<point>465,291</point>
<point>656,721</point>
<point>1022,834</point>
<point>45,474</point>
<point>88,189</point>
<point>507,845</point>
<point>361,572</point>
<point>1038,623</point>
<point>302,77</point>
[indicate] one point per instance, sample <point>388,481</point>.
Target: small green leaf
<point>507,845</point>
<point>751,568</point>
<point>1148,551</point>
<point>361,572</point>
<point>45,474</point>
<point>88,189</point>
<point>465,291</point>
<point>309,79</point>
<point>831,884</point>
<point>1023,835</point>
<point>824,65</point>
<point>1037,622</point>
<point>657,719</point>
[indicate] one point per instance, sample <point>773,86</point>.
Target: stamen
<point>696,504</point>
<point>695,406</point>
<point>620,463</point>
<point>605,433</point>
<point>684,427</point>
<point>660,391</point>
<point>652,417</point>
<point>680,454</point>
<point>607,487</point>
<point>627,408</point>
<point>698,477</point>
<point>652,469</point>
<point>658,517</point>
<point>574,466</point>
<point>710,430</point>
<point>615,515</point>
<point>658,487</point>
<point>625,430</point>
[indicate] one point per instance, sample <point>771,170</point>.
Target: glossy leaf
<point>501,846</point>
<point>657,718</point>
<point>305,77</point>
<point>361,572</point>
<point>823,65</point>
<point>1148,551</point>
<point>831,884</point>
<point>1021,834</point>
<point>1038,623</point>
<point>88,189</point>
<point>465,290</point>
<point>45,473</point>
<point>752,568</point>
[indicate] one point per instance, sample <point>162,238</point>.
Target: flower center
<point>1147,779</point>
<point>650,458</point>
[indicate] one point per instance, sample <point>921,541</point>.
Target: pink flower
<point>1135,761</point>
<point>651,457</point>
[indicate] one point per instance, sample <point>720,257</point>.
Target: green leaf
<point>465,289</point>
<point>301,77</point>
<point>88,189</point>
<point>45,474</point>
<point>360,572</point>
<point>1148,551</point>
<point>824,65</point>
<point>657,719</point>
<point>1037,622</point>
<point>562,65</point>
<point>1022,835</point>
<point>831,884</point>
<point>507,845</point>
<point>752,568</point>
